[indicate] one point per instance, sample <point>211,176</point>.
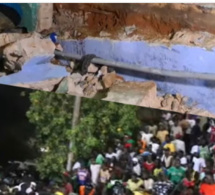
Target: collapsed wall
<point>163,36</point>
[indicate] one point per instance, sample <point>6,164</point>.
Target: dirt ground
<point>151,20</point>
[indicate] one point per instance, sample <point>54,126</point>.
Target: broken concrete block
<point>164,103</point>
<point>175,105</point>
<point>89,77</point>
<point>71,86</point>
<point>167,102</point>
<point>59,47</point>
<point>130,29</point>
<point>92,68</point>
<point>178,97</point>
<point>134,93</point>
<point>8,38</point>
<point>26,49</point>
<point>90,90</point>
<point>104,34</point>
<point>184,100</point>
<point>104,70</point>
<point>63,86</point>
<point>109,79</point>
<point>79,90</point>
<point>45,17</point>
<point>99,86</point>
<point>66,35</point>
<point>76,77</point>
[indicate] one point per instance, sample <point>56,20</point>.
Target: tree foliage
<point>100,122</point>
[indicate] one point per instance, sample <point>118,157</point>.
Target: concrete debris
<point>8,38</point>
<point>45,17</point>
<point>130,29</point>
<point>17,53</point>
<point>179,97</point>
<point>109,79</point>
<point>59,47</point>
<point>175,105</point>
<point>104,70</point>
<point>47,85</point>
<point>193,38</point>
<point>134,93</point>
<point>142,94</point>
<point>92,68</point>
<point>174,102</point>
<point>104,34</point>
<point>89,84</point>
<point>66,35</point>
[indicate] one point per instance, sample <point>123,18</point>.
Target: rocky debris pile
<point>47,85</point>
<point>17,53</point>
<point>96,79</point>
<point>8,38</point>
<point>174,102</point>
<point>135,93</point>
<point>200,39</point>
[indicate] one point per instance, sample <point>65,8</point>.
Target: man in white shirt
<point>136,167</point>
<point>198,163</point>
<point>192,123</point>
<point>176,129</point>
<point>179,144</point>
<point>154,145</point>
<point>146,136</point>
<point>167,116</point>
<point>95,170</point>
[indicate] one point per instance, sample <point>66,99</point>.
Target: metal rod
<point>142,69</point>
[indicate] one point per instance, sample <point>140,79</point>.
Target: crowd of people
<point>175,156</point>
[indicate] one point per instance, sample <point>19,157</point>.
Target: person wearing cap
<point>58,47</point>
<point>167,158</point>
<point>136,166</point>
<point>169,144</point>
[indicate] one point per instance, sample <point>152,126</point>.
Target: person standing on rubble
<point>58,47</point>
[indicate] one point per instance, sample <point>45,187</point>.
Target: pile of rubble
<point>97,79</point>
<point>19,48</point>
<point>174,102</point>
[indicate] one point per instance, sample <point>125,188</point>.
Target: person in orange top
<point>86,190</point>
<point>142,146</point>
<point>208,186</point>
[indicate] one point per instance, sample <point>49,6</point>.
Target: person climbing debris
<point>56,60</point>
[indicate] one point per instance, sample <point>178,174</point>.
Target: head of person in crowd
<point>208,179</point>
<point>161,127</point>
<point>134,178</point>
<point>177,163</point>
<point>135,161</point>
<point>197,120</point>
<point>168,139</point>
<point>158,163</point>
<point>145,175</point>
<point>166,152</point>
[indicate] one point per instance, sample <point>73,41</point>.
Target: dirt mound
<point>151,20</point>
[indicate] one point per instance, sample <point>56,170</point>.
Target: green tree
<point>100,122</point>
